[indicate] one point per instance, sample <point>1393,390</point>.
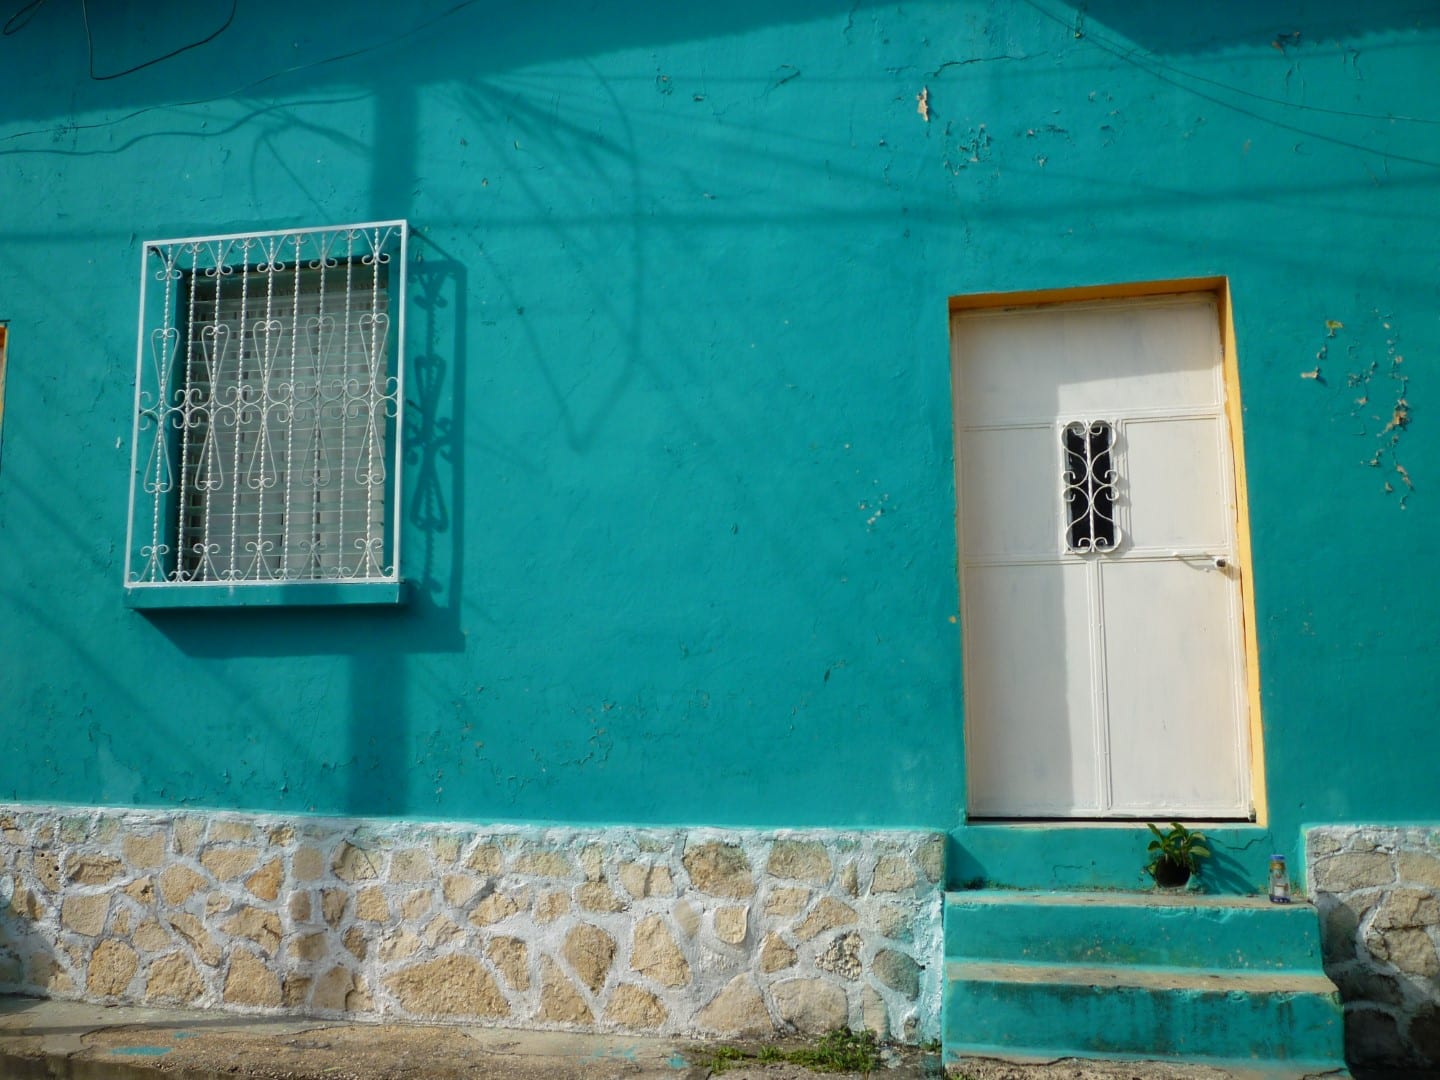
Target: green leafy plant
<point>1175,854</point>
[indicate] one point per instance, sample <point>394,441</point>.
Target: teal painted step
<point>1153,929</point>
<point>1114,1012</point>
<point>1223,979</point>
<point>1088,855</point>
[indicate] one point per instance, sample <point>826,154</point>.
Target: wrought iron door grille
<point>267,408</point>
<point>1088,486</point>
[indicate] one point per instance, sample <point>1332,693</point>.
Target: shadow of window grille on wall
<point>269,388</point>
<point>1089,484</point>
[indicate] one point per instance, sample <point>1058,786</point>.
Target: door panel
<point>1030,675</point>
<point>1170,680</point>
<point>1175,481</point>
<point>999,462</point>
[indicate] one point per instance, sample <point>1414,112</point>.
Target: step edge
<point>1135,976</point>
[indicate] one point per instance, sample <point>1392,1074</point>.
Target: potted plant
<point>1175,855</point>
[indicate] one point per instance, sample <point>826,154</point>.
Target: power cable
<point>90,41</point>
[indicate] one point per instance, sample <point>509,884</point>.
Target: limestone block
<point>800,860</point>
<point>216,903</point>
<point>151,937</point>
<point>222,831</point>
<point>440,931</point>
<point>589,951</point>
<point>332,905</point>
<point>228,863</point>
<point>1372,1036</point>
<point>511,957</point>
<point>550,906</point>
<point>892,874</point>
<point>687,918</point>
<point>250,982</point>
<point>592,862</point>
<point>185,834</point>
<point>46,973</point>
<point>333,989</point>
<point>655,955</point>
<point>398,945</point>
<point>738,1009</point>
<point>495,907</point>
<point>120,924</point>
<point>295,990</point>
<point>193,931</point>
<point>874,1014</point>
<point>280,836</point>
<point>828,914</point>
<point>261,927</point>
<point>1407,908</point>
<point>141,890</point>
<point>787,901</point>
<point>179,883</point>
<point>930,857</point>
<point>1353,870</point>
<point>85,914</point>
<point>411,865</point>
<point>897,971</point>
<point>46,867</point>
<point>309,947</point>
<point>1424,1032</point>
<point>359,999</point>
<point>454,985</point>
<point>485,859</point>
<point>731,924</point>
<point>850,879</point>
<point>352,864</point>
<point>265,882</point>
<point>458,889</point>
<point>1420,868</point>
<point>416,903</point>
<point>112,965</point>
<point>720,870</point>
<point>356,943</point>
<point>842,957</point>
<point>307,864</point>
<point>635,1008</point>
<point>775,955</point>
<point>371,906</point>
<point>92,869</point>
<point>1409,949</point>
<point>546,864</point>
<point>11,969</point>
<point>446,848</point>
<point>895,922</point>
<point>811,1006</point>
<point>598,896</point>
<point>299,907</point>
<point>560,1000</point>
<point>173,978</point>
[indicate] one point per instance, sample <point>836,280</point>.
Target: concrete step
<point>1269,1021</point>
<point>1152,929</point>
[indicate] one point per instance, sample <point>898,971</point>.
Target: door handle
<point>1202,561</point>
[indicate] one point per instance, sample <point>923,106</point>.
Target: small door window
<point>1088,485</point>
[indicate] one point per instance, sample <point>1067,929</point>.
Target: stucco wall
<point>679,492</point>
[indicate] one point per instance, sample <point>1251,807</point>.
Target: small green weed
<point>839,1051</point>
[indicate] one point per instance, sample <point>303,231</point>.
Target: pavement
<point>63,1040</point>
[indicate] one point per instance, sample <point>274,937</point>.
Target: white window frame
<point>268,427</point>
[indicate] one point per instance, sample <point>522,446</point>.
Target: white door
<point>1101,606</point>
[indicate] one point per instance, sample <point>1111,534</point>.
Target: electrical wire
<point>18,21</point>
<point>90,42</point>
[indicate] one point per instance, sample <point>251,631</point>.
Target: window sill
<point>266,594</point>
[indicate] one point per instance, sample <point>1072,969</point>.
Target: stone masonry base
<point>672,931</point>
<point>1378,893</point>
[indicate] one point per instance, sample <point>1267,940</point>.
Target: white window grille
<point>269,386</point>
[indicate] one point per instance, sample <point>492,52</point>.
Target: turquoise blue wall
<point>678,320</point>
